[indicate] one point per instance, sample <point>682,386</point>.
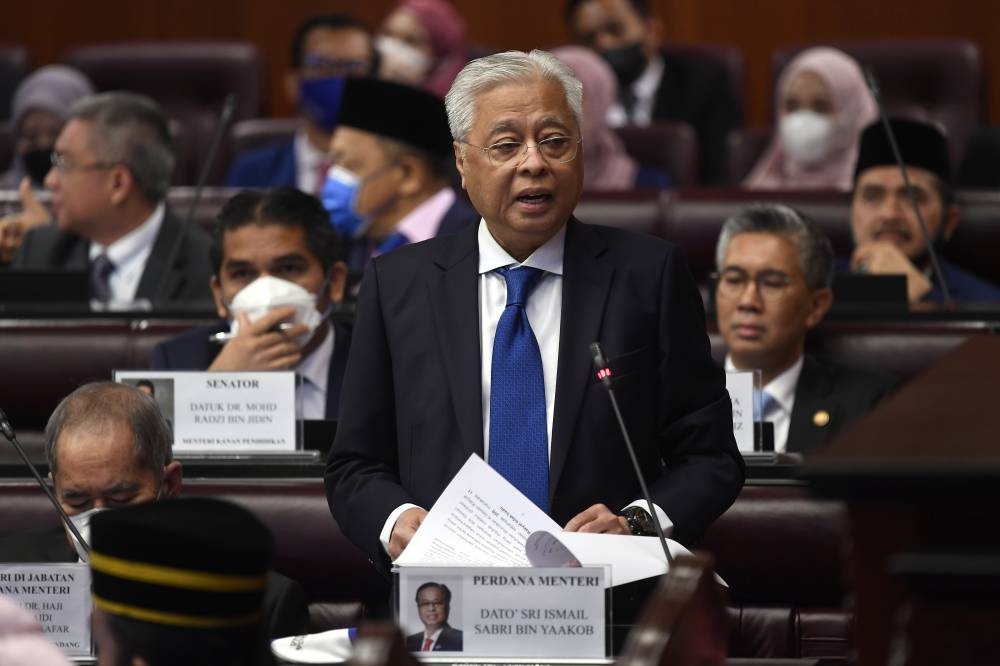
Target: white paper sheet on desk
<point>482,520</point>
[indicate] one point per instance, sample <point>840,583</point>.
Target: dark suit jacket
<point>192,350</point>
<point>699,93</point>
<point>186,279</point>
<point>450,640</point>
<point>272,165</point>
<point>285,602</point>
<point>411,413</point>
<point>844,393</point>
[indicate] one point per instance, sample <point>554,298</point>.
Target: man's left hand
<point>598,519</point>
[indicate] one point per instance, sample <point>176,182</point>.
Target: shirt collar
<point>548,257</point>
<point>423,221</point>
<point>781,387</point>
<point>316,366</point>
<point>135,243</point>
<point>649,81</point>
<point>308,156</point>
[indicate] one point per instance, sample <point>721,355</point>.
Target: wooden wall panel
<point>755,26</point>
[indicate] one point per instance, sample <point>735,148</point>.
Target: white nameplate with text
<point>504,611</point>
<point>219,413</point>
<point>741,387</point>
<point>58,596</point>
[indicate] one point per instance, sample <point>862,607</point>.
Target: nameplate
<point>220,413</point>
<point>506,611</point>
<point>741,386</point>
<point>58,596</point>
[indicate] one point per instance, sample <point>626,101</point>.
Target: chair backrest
<point>247,135</point>
<point>672,147</point>
<point>729,58</point>
<point>940,79</point>
<point>744,147</point>
<point>190,80</point>
<point>977,238</point>
<point>14,66</point>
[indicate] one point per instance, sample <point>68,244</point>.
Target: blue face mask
<point>339,196</point>
<point>319,100</point>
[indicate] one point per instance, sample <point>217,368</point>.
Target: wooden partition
<point>757,28</point>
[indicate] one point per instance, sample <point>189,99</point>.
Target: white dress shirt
<point>782,388</point>
<point>307,163</point>
<point>544,311</point>
<point>314,370</point>
<point>644,88</point>
<point>128,254</point>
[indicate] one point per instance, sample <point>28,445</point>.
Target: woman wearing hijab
<point>422,44</point>
<point>38,112</point>
<point>606,165</point>
<point>822,105</point>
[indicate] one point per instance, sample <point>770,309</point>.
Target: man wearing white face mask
<point>391,183</point>
<point>108,446</point>
<point>276,262</point>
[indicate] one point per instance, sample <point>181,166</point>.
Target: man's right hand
<point>258,347</point>
<point>404,529</point>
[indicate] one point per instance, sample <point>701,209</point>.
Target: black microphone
<point>872,82</point>
<point>604,374</point>
<point>8,432</point>
<point>226,115</point>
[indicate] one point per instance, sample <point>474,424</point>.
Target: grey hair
<point>103,405</point>
<point>490,71</point>
<point>814,249</point>
<point>130,129</point>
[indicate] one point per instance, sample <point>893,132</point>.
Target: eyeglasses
<point>559,149</point>
<point>732,282</point>
<point>60,164</point>
<point>430,604</point>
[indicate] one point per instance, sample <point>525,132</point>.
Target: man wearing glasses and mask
<point>772,287</point>
<point>479,342</point>
<point>277,278</point>
<point>111,168</point>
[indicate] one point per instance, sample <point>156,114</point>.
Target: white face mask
<point>401,62</point>
<point>806,136</point>
<point>267,293</point>
<point>81,522</point>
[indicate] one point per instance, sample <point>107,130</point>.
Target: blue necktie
<point>100,275</point>
<point>519,447</point>
<point>769,406</point>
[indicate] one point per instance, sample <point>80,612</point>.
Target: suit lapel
<point>156,264</point>
<point>807,428</point>
<point>454,296</point>
<point>586,281</point>
<point>338,361</point>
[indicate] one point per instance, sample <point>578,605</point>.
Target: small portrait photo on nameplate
<point>224,413</point>
<point>433,614</point>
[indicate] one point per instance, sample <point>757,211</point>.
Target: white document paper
<point>482,520</point>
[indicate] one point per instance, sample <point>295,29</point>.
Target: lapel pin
<point>821,418</point>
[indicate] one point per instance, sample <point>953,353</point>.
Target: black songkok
<point>921,145</point>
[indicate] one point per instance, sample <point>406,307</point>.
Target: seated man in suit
<point>886,231</point>
<point>653,86</point>
<point>275,260</point>
<point>433,607</point>
<point>329,45</point>
<point>108,446</point>
<point>479,343</point>
<point>110,172</point>
<point>772,287</point>
<point>180,582</point>
<point>392,181</point>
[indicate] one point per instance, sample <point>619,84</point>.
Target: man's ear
<point>654,35</point>
<point>819,304</point>
<point>951,219</point>
<point>173,479</point>
<point>338,282</point>
<point>413,175</point>
<point>290,82</point>
<point>220,305</point>
<point>459,161</point>
<point>122,183</point>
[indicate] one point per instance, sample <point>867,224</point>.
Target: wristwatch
<point>639,521</point>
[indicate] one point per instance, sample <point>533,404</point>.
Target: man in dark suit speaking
<point>479,343</point>
<point>433,607</point>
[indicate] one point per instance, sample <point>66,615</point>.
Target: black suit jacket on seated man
<point>192,350</point>
<point>284,603</point>
<point>186,279</point>
<point>411,413</point>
